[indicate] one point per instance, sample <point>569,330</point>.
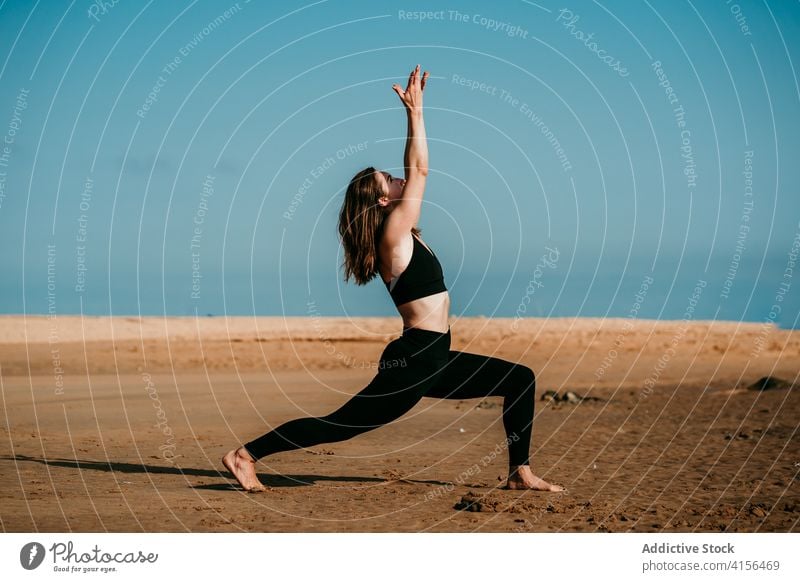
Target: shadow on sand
<point>270,480</point>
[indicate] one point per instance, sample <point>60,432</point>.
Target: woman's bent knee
<point>526,375</point>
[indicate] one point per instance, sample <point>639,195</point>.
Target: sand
<point>119,424</point>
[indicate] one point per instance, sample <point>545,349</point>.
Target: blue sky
<point>217,139</point>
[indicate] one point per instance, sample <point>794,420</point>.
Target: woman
<point>377,224</point>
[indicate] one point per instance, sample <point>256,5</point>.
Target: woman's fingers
<point>413,91</point>
<point>414,76</point>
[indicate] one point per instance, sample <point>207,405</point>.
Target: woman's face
<point>392,188</point>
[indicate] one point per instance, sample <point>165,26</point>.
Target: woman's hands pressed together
<point>412,96</point>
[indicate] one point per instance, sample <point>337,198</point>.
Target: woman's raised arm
<point>416,150</point>
<point>406,214</point>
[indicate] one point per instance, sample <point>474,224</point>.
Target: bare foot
<point>523,478</point>
<point>243,467</point>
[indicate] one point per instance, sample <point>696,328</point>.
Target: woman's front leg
<point>468,375</point>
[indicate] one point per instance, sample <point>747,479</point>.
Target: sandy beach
<point>119,424</point>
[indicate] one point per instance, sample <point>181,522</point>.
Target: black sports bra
<point>422,277</point>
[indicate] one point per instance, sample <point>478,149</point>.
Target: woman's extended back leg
<point>390,394</point>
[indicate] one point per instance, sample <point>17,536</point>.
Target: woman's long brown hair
<point>360,226</point>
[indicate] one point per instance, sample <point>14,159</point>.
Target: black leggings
<point>418,363</point>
